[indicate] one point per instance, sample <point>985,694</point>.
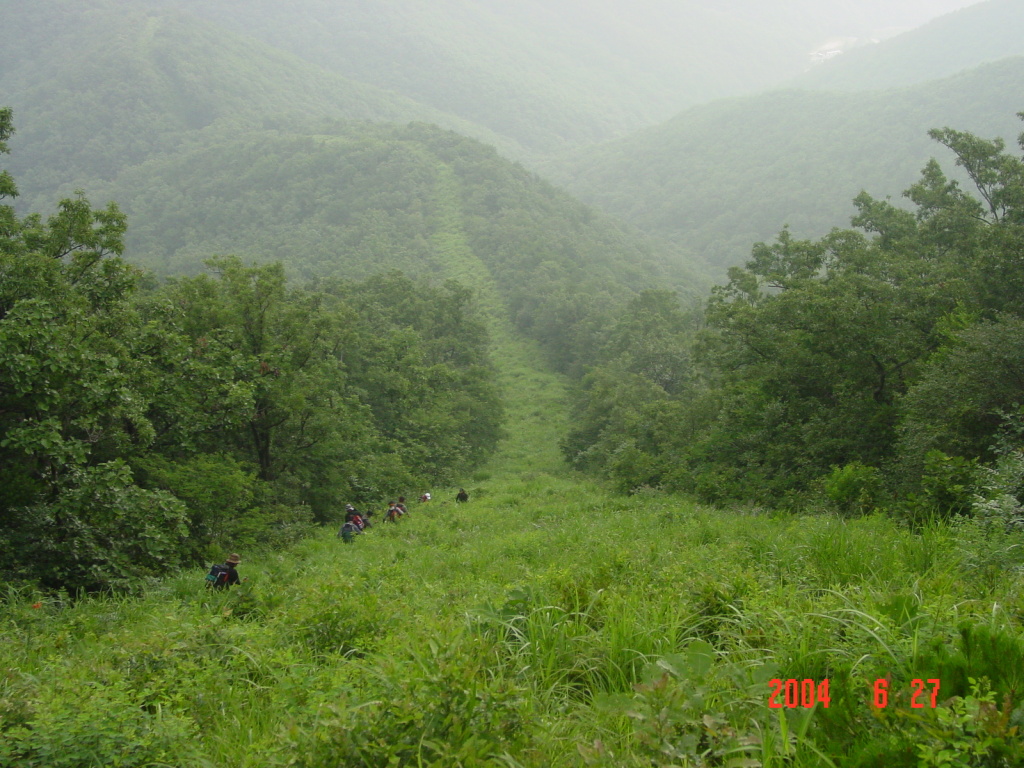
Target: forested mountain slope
<point>722,176</point>
<point>144,425</point>
<point>353,199</point>
<point>98,86</point>
<point>981,33</point>
<point>551,75</point>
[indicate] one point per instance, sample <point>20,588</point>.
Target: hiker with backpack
<point>461,497</point>
<point>348,532</point>
<point>226,575</point>
<point>354,517</point>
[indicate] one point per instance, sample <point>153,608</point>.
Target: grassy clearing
<point>544,623</point>
<point>522,624</point>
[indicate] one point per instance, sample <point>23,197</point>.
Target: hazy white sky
<point>918,11</point>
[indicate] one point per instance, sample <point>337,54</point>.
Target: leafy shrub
<point>441,707</point>
<point>61,727</point>
<point>217,490</point>
<point>978,652</point>
<point>946,488</point>
<point>971,732</point>
<point>690,710</point>
<point>854,488</point>
<point>100,531</point>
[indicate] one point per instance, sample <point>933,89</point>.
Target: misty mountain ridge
<point>101,86</point>
<point>981,33</point>
<point>103,89</point>
<point>533,80</point>
<point>549,76</point>
<point>722,176</point>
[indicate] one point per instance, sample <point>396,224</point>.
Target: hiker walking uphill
<point>461,497</point>
<point>356,518</point>
<point>348,531</point>
<point>226,575</point>
<point>394,512</point>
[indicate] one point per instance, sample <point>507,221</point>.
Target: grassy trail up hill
<point>536,397</point>
<point>544,623</point>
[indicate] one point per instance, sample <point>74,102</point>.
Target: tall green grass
<point>545,623</point>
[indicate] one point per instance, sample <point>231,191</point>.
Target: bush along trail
<point>545,622</point>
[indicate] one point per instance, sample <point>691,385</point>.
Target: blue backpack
<point>217,578</point>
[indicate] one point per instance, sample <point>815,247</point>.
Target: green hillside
<point>981,33</point>
<point>546,75</point>
<point>98,86</point>
<point>543,624</point>
<point>720,177</point>
<point>546,622</point>
<point>217,144</point>
<point>346,300</point>
<point>553,75</point>
<point>355,199</point>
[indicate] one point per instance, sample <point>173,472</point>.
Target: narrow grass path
<point>545,623</point>
<point>536,397</point>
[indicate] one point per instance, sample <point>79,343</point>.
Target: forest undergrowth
<point>546,622</point>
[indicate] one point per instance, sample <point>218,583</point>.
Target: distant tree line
<point>145,426</point>
<point>876,367</point>
<point>356,198</point>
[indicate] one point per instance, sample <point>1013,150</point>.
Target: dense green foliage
<point>392,293</point>
<point>144,428</point>
<point>545,623</point>
<point>855,366</point>
<point>213,144</point>
<point>353,199</point>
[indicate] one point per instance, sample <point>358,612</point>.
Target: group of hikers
<point>222,576</point>
<point>356,522</point>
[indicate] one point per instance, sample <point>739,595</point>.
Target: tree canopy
<point>143,426</point>
<point>891,351</point>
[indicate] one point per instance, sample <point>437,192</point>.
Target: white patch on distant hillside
<point>832,48</point>
<point>838,45</point>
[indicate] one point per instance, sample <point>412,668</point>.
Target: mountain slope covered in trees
<point>99,86</point>
<point>722,176</point>
<point>871,368</point>
<point>531,77</point>
<point>213,144</point>
<point>152,424</point>
<point>353,200</point>
<point>141,425</point>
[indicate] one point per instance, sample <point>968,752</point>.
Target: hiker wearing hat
<point>352,515</point>
<point>223,576</point>
<point>232,562</point>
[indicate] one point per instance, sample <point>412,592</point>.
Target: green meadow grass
<point>546,622</point>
